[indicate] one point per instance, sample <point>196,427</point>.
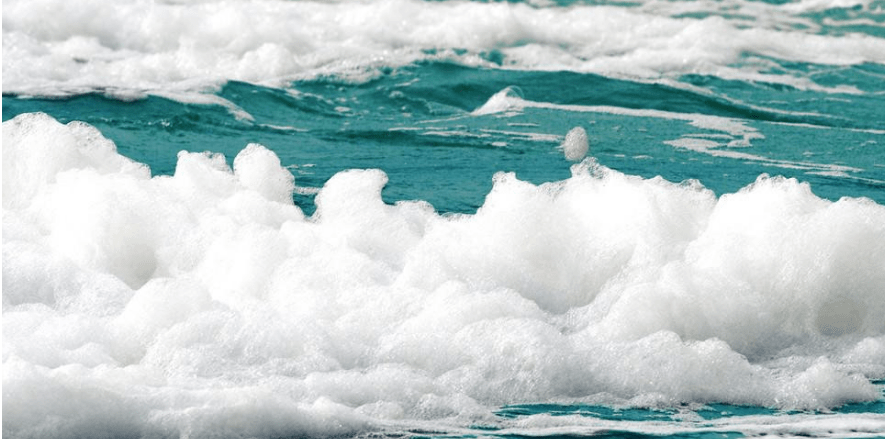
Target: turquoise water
<point>279,219</point>
<point>415,123</point>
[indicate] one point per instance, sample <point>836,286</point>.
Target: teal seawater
<point>415,123</point>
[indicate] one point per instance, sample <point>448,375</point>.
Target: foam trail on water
<point>207,304</point>
<point>733,134</point>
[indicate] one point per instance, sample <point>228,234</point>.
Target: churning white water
<point>207,304</point>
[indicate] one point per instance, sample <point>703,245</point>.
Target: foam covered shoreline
<point>206,301</point>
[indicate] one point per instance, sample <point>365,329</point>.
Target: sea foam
<point>206,303</point>
<point>575,145</point>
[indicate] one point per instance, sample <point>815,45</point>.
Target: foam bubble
<point>206,303</point>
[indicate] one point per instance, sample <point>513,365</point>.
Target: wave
<point>435,90</point>
<point>186,48</point>
<point>207,301</point>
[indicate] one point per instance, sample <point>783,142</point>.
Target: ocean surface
<point>443,219</point>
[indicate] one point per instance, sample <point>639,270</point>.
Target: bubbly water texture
<point>206,303</point>
<point>182,48</point>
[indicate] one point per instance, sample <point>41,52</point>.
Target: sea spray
<point>207,303</point>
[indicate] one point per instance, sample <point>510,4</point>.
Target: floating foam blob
<point>205,303</point>
<point>575,145</point>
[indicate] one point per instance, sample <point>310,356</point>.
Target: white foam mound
<point>206,304</point>
<point>181,48</point>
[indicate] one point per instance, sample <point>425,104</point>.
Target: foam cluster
<point>206,303</point>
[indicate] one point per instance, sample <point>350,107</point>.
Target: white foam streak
<point>787,426</point>
<point>206,303</point>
